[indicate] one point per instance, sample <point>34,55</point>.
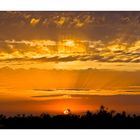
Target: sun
<point>67,112</point>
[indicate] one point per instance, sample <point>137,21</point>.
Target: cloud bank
<point>51,51</point>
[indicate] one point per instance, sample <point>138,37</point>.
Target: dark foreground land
<point>101,119</point>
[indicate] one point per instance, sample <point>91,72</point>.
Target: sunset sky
<point>51,61</point>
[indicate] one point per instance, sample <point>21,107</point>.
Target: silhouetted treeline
<point>102,119</point>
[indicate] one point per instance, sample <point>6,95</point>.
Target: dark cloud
<point>121,99</point>
<point>90,25</point>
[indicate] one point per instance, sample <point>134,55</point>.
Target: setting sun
<point>67,111</point>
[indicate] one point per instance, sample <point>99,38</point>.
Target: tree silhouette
<point>91,120</point>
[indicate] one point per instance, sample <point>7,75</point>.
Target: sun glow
<point>69,43</point>
<point>67,112</point>
<point>71,47</point>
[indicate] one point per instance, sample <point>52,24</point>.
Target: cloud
<point>54,96</point>
<point>34,21</point>
<point>105,26</point>
<point>78,22</point>
<point>83,50</point>
<point>60,20</point>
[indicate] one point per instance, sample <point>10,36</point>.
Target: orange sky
<point>53,91</point>
<point>50,61</point>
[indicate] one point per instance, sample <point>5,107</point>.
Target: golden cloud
<point>34,21</point>
<point>60,21</point>
<point>70,50</point>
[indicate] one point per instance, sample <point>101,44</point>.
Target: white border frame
<point>70,134</point>
<point>68,5</point>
